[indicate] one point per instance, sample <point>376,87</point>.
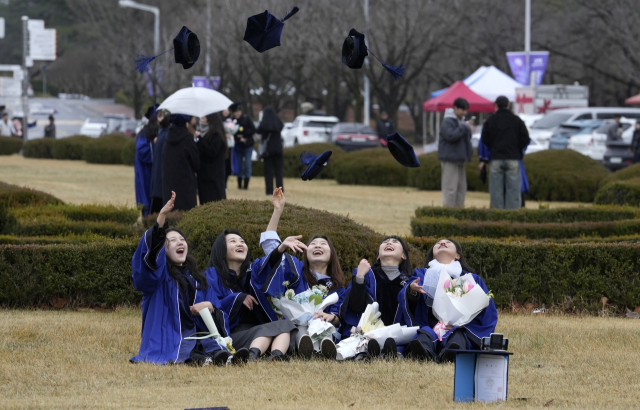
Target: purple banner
<point>537,65</point>
<point>212,83</point>
<point>148,76</point>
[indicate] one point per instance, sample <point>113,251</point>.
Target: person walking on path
<point>156,169</point>
<point>50,130</point>
<point>212,145</point>
<point>506,135</point>
<point>384,126</point>
<point>180,162</point>
<point>243,144</point>
<point>454,149</point>
<point>270,128</point>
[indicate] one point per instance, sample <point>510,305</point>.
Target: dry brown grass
<point>79,359</point>
<point>387,210</point>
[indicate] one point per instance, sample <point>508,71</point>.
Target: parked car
<point>534,145</point>
<point>307,129</point>
<point>618,155</point>
<point>352,136</point>
<point>562,135</point>
<point>94,127</point>
<point>128,127</point>
<point>594,145</point>
<point>543,129</point>
<point>39,109</point>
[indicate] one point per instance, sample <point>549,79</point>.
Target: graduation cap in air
<point>264,30</point>
<point>316,163</point>
<point>151,111</point>
<point>354,50</point>
<point>402,151</point>
<point>186,50</point>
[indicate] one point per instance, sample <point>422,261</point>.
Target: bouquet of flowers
<point>371,327</point>
<point>458,301</point>
<point>213,331</point>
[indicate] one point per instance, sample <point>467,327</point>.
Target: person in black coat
<point>269,129</point>
<point>384,126</point>
<point>635,144</point>
<point>156,170</point>
<point>180,162</point>
<point>212,145</point>
<point>243,143</point>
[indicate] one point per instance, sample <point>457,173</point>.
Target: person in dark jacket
<point>384,126</point>
<point>156,170</point>
<point>635,144</point>
<point>180,162</point>
<point>506,135</point>
<point>212,145</point>
<point>50,130</point>
<point>243,144</point>
<point>269,129</point>
<point>454,149</point>
<point>143,164</point>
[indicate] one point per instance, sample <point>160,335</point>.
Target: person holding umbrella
<point>243,143</point>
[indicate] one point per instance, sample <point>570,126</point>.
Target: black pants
<point>156,205</point>
<point>272,165</point>
<point>434,348</point>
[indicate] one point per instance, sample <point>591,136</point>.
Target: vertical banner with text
<point>537,66</point>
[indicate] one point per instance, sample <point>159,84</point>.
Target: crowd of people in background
<point>194,157</point>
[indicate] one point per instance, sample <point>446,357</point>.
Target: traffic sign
<point>35,25</point>
<point>1,27</point>
<point>42,44</point>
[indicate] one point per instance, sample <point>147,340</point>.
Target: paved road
<point>71,114</point>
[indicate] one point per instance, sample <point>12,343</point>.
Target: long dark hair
<point>333,268</point>
<point>151,129</point>
<point>405,265</point>
<point>191,264</point>
<point>462,260</point>
<point>270,121</point>
<point>218,260</point>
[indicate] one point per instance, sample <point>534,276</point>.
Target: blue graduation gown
<point>421,315</point>
<point>163,340</point>
<point>484,154</point>
<point>142,167</point>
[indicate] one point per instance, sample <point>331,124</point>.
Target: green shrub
<point>578,214</point>
<point>620,192</point>
<point>172,219</point>
<point>428,175</point>
<point>70,147</point>
<point>14,195</point>
<point>105,150</point>
<point>292,168</point>
<point>49,240</point>
<point>60,226</point>
<point>10,145</point>
<point>563,175</point>
<point>40,148</point>
<point>128,153</point>
<point>352,241</point>
<point>373,166</point>
<point>554,273</point>
<point>95,213</point>
<point>630,172</point>
<point>87,274</point>
<point>446,227</point>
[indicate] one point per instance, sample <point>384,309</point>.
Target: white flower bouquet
<point>213,331</point>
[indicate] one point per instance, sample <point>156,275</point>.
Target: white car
<point>308,129</point>
<point>534,145</point>
<point>94,127</point>
<point>39,109</point>
<point>594,145</point>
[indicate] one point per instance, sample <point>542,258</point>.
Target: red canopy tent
<point>458,90</point>
<point>635,100</point>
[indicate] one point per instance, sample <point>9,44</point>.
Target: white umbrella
<point>195,101</point>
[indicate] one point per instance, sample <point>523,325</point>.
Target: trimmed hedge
<point>105,150</point>
<point>40,148</point>
<point>549,272</point>
<point>87,274</point>
<point>14,195</point>
<point>96,213</point>
<point>374,166</point>
<point>128,153</point>
<point>428,175</point>
<point>352,240</point>
<point>630,172</point>
<point>446,227</point>
<point>625,192</point>
<point>10,145</point>
<point>563,175</point>
<point>48,240</point>
<point>172,219</point>
<point>70,147</point>
<point>578,214</point>
<point>292,168</point>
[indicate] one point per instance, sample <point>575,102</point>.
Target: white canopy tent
<point>490,83</point>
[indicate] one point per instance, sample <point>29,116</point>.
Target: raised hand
<point>195,309</point>
<point>278,199</point>
<point>363,268</point>
<point>293,243</point>
<point>415,287</point>
<point>250,302</point>
<point>168,207</point>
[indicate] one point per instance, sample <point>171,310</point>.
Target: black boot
<point>240,356</point>
<point>278,356</point>
<point>254,354</point>
<point>239,182</point>
<point>373,348</point>
<point>390,349</point>
<point>220,357</point>
<point>417,351</point>
<point>246,183</point>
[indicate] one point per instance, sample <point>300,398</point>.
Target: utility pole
<point>25,79</point>
<point>367,102</point>
<point>207,65</point>
<point>527,37</point>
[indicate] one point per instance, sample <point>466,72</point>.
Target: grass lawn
<point>387,210</point>
<point>79,359</point>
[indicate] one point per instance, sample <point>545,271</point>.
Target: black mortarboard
<point>402,151</point>
<point>186,50</point>
<point>235,107</point>
<point>264,30</point>
<point>151,111</point>
<point>354,50</point>
<point>180,120</point>
<point>316,163</point>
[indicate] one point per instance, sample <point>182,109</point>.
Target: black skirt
<point>244,335</point>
